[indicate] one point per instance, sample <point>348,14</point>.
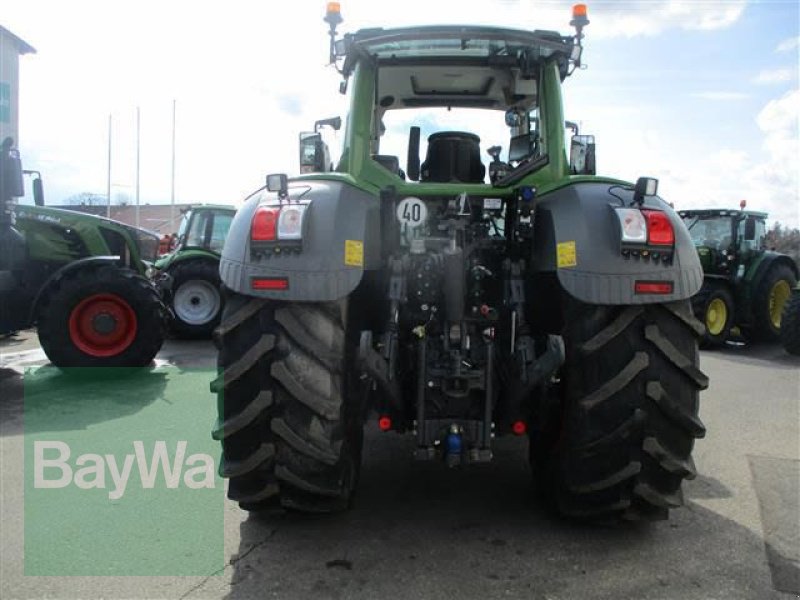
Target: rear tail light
<point>659,228</point>
<point>290,222</point>
<point>651,227</point>
<point>275,223</point>
<point>269,283</point>
<point>652,287</point>
<point>633,224</point>
<point>265,224</point>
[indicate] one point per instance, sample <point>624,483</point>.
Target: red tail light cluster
<point>645,227</point>
<point>264,227</point>
<point>659,228</point>
<point>278,223</point>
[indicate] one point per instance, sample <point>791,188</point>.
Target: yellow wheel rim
<point>778,296</point>
<point>716,316</point>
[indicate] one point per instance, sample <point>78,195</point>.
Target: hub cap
<point>716,316</point>
<point>196,302</point>
<point>102,325</point>
<point>778,296</point>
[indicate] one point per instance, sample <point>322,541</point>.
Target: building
<point>11,47</point>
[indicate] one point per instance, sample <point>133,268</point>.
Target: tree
<point>785,240</point>
<point>85,199</point>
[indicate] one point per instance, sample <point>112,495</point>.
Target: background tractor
<point>189,275</point>
<point>457,305</point>
<point>744,284</point>
<point>79,279</point>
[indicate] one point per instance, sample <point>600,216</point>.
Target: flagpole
<point>108,172</point>
<point>172,193</point>
<point>137,166</point>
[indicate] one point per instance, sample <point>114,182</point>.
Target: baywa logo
<point>119,474</point>
<point>52,468</point>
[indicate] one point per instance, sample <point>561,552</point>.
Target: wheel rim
<point>196,302</point>
<point>716,316</point>
<point>778,296</point>
<point>102,325</point>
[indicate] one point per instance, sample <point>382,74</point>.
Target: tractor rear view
<point>744,285</point>
<point>455,303</point>
<point>79,279</point>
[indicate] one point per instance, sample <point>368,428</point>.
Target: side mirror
<point>38,192</point>
<point>582,155</point>
<point>313,153</point>
<point>750,229</point>
<point>11,184</point>
<point>521,147</point>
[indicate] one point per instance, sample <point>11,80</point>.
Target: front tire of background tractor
<point>713,306</point>
<point>101,316</point>
<point>769,300</point>
<point>790,325</point>
<point>196,298</point>
<point>622,443</point>
<point>289,422</point>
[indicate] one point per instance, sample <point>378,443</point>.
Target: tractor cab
<point>475,107</point>
<point>726,239</point>
<point>205,227</point>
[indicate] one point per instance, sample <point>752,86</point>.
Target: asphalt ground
<point>419,530</point>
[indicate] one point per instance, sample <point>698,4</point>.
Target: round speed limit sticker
<point>412,212</point>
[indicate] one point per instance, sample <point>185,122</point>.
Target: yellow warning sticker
<point>567,255</point>
<point>354,253</point>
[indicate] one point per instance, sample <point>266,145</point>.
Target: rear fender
<point>341,239</point>
<point>577,236</point>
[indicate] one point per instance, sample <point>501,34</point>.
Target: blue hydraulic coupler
<point>453,446</point>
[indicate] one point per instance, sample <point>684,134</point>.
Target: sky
<point>701,94</point>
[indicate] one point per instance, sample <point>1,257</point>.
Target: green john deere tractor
<point>79,279</point>
<point>744,285</point>
<point>189,275</point>
<point>454,302</point>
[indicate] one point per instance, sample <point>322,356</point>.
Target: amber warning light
<point>579,16</point>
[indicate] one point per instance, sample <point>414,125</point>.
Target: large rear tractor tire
<point>196,298</point>
<point>790,325</point>
<point>289,421</point>
<point>101,316</point>
<point>713,306</point>
<point>769,300</point>
<point>620,447</point>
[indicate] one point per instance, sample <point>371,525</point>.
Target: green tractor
<point>745,286</point>
<point>457,303</point>
<point>79,279</point>
<point>189,275</point>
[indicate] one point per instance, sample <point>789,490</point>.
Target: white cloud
<point>775,180</point>
<point>788,44</point>
<point>770,76</point>
<point>720,96</point>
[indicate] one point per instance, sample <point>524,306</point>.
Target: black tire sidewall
<point>135,290</point>
<point>790,324</point>
<point>764,329</point>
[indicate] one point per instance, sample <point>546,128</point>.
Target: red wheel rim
<point>102,325</point>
